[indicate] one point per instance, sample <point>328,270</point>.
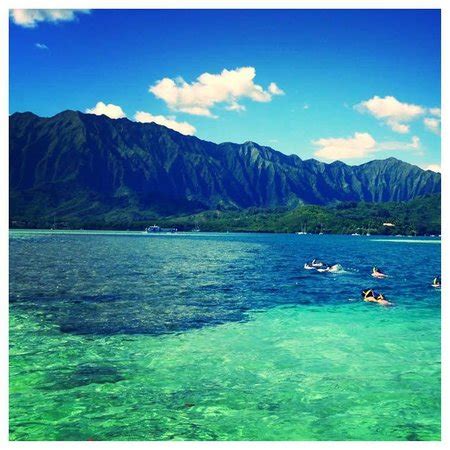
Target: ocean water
<point>201,336</point>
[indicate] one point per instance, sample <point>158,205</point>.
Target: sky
<point>349,85</point>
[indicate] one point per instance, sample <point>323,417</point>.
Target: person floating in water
<point>378,273</point>
<point>436,282</point>
<point>316,263</point>
<point>321,266</point>
<point>369,295</point>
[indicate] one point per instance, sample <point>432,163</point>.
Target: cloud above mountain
<point>116,112</point>
<point>360,145</point>
<point>110,110</point>
<point>29,18</point>
<point>169,122</point>
<point>433,124</point>
<point>209,90</point>
<point>433,167</point>
<point>394,113</point>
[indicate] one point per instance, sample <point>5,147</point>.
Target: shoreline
<point>199,233</point>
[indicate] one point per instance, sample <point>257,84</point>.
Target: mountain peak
<point>118,162</point>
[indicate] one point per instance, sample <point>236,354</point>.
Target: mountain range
<point>87,165</point>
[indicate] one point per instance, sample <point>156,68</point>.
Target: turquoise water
<point>126,336</point>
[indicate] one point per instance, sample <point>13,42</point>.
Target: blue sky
<point>350,85</point>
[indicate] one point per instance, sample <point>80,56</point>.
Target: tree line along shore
<point>418,217</point>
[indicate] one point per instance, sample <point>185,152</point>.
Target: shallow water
<point>126,336</point>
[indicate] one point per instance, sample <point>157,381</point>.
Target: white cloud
<point>116,112</point>
<point>234,106</point>
<point>169,122</point>
<point>275,90</point>
<point>435,112</point>
<point>433,167</point>
<point>209,90</point>
<point>432,124</point>
<point>41,46</point>
<point>401,145</point>
<point>360,145</point>
<point>398,127</point>
<point>394,113</point>
<point>110,110</point>
<point>29,18</point>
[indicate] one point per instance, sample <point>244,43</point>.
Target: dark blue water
<point>106,284</point>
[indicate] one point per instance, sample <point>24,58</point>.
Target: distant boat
<point>157,229</point>
<point>367,234</point>
<point>153,229</point>
<point>355,234</point>
<point>303,230</point>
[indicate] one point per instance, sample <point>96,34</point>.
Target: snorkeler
<point>316,263</point>
<point>335,268</point>
<point>369,295</point>
<point>378,273</point>
<point>436,282</point>
<point>320,266</point>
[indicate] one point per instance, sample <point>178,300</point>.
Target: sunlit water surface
<point>126,336</point>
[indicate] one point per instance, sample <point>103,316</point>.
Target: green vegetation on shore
<point>416,217</point>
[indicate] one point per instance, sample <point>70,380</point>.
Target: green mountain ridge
<point>84,168</point>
